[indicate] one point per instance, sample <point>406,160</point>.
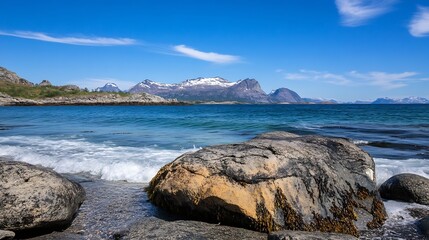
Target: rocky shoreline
<point>90,100</point>
<point>276,186</point>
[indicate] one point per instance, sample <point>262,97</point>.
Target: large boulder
<point>33,198</point>
<point>277,181</point>
<point>406,187</point>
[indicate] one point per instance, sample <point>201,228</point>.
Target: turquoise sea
<point>133,142</point>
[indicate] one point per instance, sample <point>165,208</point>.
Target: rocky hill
<point>11,77</point>
<point>284,95</point>
<point>216,89</point>
<point>16,91</point>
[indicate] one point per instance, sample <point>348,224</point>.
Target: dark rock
<point>301,235</point>
<point>418,212</point>
<point>154,228</point>
<point>282,95</point>
<point>6,235</point>
<point>277,181</point>
<point>423,225</point>
<point>406,187</point>
<point>45,83</point>
<point>36,198</point>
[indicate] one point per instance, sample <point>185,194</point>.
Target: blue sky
<point>340,49</point>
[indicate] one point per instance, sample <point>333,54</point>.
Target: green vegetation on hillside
<point>40,92</point>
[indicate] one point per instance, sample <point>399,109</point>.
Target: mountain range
<point>216,89</point>
<point>200,89</point>
<point>408,100</point>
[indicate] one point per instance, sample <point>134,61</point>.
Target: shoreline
<point>92,100</point>
<point>121,210</point>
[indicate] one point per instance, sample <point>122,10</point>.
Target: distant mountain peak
<point>407,100</point>
<point>108,87</point>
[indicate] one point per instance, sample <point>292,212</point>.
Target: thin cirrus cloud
<point>384,80</point>
<point>205,56</point>
<point>85,41</point>
<point>104,41</point>
<point>419,26</point>
<point>358,12</point>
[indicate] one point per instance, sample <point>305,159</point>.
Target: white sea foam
<point>110,162</point>
<point>360,142</point>
<point>386,168</point>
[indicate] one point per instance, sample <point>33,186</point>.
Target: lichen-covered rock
<point>274,182</point>
<point>406,187</point>
<point>301,235</point>
<point>33,197</point>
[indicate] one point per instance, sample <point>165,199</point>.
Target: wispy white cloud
<point>419,26</point>
<point>383,80</point>
<point>386,80</point>
<point>205,56</point>
<point>87,41</point>
<point>358,12</point>
<point>304,74</point>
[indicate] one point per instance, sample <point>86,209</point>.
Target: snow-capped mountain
<point>213,81</point>
<point>408,100</point>
<point>109,87</point>
<point>208,89</point>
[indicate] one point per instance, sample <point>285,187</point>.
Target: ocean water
<point>133,142</point>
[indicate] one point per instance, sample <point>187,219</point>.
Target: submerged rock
<point>423,225</point>
<point>36,198</point>
<point>155,228</point>
<point>274,182</point>
<point>301,235</point>
<point>406,187</point>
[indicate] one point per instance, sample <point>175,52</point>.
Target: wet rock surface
<point>155,228</point>
<point>274,182</point>
<point>300,235</point>
<point>6,235</point>
<point>423,225</point>
<point>33,198</point>
<point>406,187</point>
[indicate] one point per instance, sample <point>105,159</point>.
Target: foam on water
<point>106,160</point>
<point>386,168</point>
